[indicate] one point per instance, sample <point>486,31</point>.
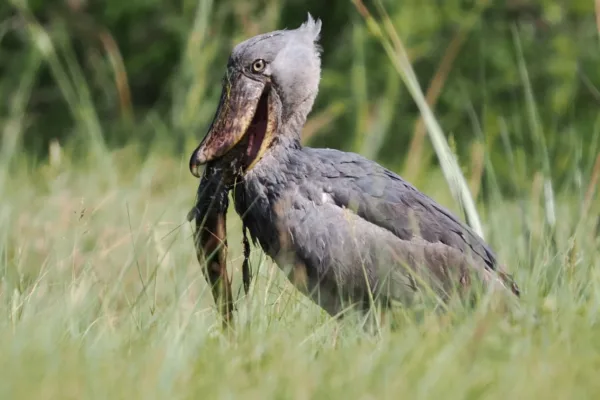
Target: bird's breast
<point>256,204</point>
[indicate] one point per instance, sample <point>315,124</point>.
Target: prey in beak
<point>209,216</point>
<point>243,125</point>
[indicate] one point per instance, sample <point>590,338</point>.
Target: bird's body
<point>342,227</point>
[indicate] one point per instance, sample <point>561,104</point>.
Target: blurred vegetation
<point>513,83</point>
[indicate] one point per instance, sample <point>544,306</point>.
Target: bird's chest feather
<point>272,203</point>
<point>257,202</point>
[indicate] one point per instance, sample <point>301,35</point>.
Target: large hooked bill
<point>245,111</point>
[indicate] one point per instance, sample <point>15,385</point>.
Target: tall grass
<point>101,295</point>
<point>396,51</point>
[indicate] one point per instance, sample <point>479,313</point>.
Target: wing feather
<point>383,198</point>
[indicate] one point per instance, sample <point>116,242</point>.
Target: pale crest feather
<point>311,28</point>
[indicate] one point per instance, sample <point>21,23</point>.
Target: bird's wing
<point>386,200</point>
<point>383,198</point>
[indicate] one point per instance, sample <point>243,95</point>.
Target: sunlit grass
<point>78,323</point>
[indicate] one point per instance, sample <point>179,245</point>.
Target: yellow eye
<point>258,65</point>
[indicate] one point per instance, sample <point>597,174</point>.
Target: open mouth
<point>257,131</point>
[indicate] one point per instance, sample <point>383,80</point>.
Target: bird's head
<point>268,90</point>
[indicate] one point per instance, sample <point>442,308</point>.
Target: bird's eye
<point>258,65</point>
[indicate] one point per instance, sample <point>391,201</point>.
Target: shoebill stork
<point>344,229</point>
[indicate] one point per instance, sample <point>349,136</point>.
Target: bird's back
<point>355,226</point>
<point>386,199</point>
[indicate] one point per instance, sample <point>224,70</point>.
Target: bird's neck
<point>292,126</point>
<point>281,152</point>
<point>294,119</point>
<point>286,141</point>
<point>288,136</point>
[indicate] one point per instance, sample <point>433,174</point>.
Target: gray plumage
<point>343,217</point>
<point>340,225</point>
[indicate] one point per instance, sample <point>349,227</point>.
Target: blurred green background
<point>513,83</point>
